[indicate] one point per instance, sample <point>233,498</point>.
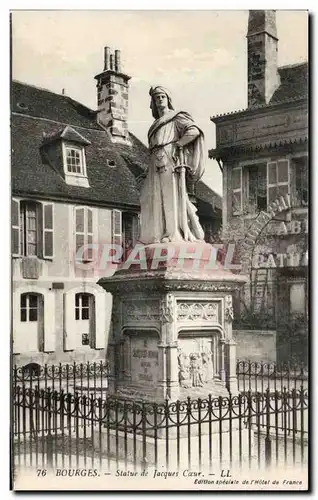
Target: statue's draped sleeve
<point>192,140</point>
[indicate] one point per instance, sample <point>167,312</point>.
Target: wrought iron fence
<point>90,378</point>
<point>259,376</point>
<point>59,429</point>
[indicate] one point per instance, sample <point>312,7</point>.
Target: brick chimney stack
<point>112,97</point>
<point>262,47</point>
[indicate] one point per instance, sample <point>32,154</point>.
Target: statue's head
<point>159,95</point>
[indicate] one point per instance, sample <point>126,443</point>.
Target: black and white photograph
<point>159,250</point>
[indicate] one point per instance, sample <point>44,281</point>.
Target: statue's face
<point>161,101</point>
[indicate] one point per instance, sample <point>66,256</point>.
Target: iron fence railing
<point>257,376</point>
<point>90,378</point>
<point>60,429</point>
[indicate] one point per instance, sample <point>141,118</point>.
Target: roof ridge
<point>294,65</point>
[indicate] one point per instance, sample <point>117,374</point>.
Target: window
<point>83,233</point>
<point>130,234</point>
<point>237,191</point>
<point>29,228</point>
<point>301,174</point>
<point>75,163</point>
<point>257,194</point>
<point>82,306</point>
<point>29,305</point>
<point>74,160</point>
<point>32,229</point>
<point>277,179</point>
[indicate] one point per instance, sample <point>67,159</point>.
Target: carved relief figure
<point>207,366</point>
<point>196,370</point>
<point>184,370</point>
<point>176,144</point>
<point>229,314</point>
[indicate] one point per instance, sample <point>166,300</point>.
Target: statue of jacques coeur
<point>167,215</point>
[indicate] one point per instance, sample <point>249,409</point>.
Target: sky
<point>200,56</point>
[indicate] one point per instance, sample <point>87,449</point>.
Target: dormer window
<point>74,160</point>
<point>74,164</point>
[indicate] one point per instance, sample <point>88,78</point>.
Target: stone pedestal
<point>172,324</point>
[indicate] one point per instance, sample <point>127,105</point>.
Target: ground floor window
<point>29,307</point>
<point>82,306</point>
<point>85,318</point>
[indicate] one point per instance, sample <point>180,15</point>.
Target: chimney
<point>112,97</point>
<point>262,42</point>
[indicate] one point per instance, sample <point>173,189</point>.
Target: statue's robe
<point>161,217</point>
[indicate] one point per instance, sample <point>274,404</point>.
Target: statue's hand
<point>176,152</point>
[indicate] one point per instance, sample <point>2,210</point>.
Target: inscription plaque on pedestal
<point>144,362</point>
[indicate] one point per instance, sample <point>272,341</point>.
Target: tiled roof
<point>39,115</point>
<point>43,103</point>
<point>206,195</point>
<point>293,87</point>
<point>293,83</point>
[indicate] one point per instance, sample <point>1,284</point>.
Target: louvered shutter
<point>49,322</point>
<point>15,235</point>
<point>48,244</point>
<point>69,322</point>
<point>116,232</point>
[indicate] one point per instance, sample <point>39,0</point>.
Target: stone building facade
<point>263,151</point>
<point>75,182</point>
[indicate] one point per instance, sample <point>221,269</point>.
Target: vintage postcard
<point>159,174</point>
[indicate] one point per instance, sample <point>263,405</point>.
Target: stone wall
<point>255,345</point>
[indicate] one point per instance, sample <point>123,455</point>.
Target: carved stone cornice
<point>163,285</point>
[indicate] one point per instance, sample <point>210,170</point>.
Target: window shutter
<point>48,245</point>
<point>49,323</point>
<point>79,228</point>
<point>69,322</point>
<point>237,190</point>
<point>89,252</point>
<point>136,228</point>
<point>18,336</point>
<point>15,236</point>
<point>116,230</point>
<point>271,182</point>
<point>102,319</point>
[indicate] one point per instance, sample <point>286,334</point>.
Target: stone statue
<point>176,144</point>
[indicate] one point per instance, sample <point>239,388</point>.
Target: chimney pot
<point>106,58</point>
<point>111,61</point>
<point>117,61</point>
